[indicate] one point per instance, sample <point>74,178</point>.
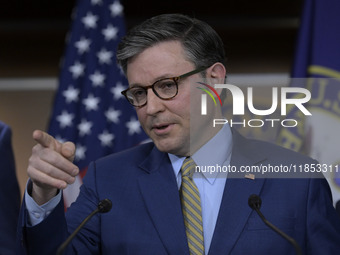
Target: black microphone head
<point>105,205</point>
<point>254,201</point>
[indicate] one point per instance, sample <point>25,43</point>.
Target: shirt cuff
<point>37,213</point>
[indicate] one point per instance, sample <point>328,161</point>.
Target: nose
<point>154,104</point>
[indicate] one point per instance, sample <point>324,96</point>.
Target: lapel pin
<point>250,176</point>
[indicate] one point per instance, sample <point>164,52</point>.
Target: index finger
<point>45,139</point>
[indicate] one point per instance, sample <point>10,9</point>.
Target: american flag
<point>89,109</point>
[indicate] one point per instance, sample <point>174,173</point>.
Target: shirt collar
<point>216,151</point>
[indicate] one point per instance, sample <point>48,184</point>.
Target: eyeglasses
<point>166,89</point>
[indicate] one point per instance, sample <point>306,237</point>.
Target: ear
<point>215,74</point>
<point>216,71</point>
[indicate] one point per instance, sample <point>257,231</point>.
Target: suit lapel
<point>234,210</point>
<point>161,196</point>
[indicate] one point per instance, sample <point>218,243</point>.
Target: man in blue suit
<point>9,193</point>
<point>162,59</point>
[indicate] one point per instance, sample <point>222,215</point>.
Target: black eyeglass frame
<point>175,79</point>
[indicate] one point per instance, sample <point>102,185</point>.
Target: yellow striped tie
<point>191,208</point>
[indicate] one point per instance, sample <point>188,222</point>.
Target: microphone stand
<point>103,207</point>
<point>255,202</point>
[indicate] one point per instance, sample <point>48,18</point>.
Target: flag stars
<point>116,91</point>
<point>104,56</point>
<point>83,45</point>
<point>60,139</point>
<point>77,70</point>
<point>71,94</point>
<point>133,126</point>
<point>121,71</point>
<point>116,9</point>
<point>106,138</point>
<point>65,119</point>
<point>92,113</point>
<point>96,2</point>
<point>112,115</point>
<point>84,127</point>
<point>91,103</point>
<point>90,20</point>
<point>97,79</point>
<point>110,32</point>
<point>80,152</point>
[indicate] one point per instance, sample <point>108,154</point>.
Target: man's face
<point>167,122</point>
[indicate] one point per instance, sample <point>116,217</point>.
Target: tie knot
<point>188,167</point>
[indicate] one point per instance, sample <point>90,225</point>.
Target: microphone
<point>255,202</point>
<point>104,206</point>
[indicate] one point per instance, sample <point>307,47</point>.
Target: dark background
<point>259,35</point>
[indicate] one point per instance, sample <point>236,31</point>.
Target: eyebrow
<point>164,76</point>
<point>135,85</point>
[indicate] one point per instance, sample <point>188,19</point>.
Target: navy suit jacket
<point>146,215</point>
<point>9,193</point>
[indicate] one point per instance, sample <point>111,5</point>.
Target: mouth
<point>161,126</point>
<point>162,129</point>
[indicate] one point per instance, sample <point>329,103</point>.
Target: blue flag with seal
<point>89,109</point>
<point>317,66</point>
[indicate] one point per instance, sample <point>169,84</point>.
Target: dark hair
<point>201,43</point>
